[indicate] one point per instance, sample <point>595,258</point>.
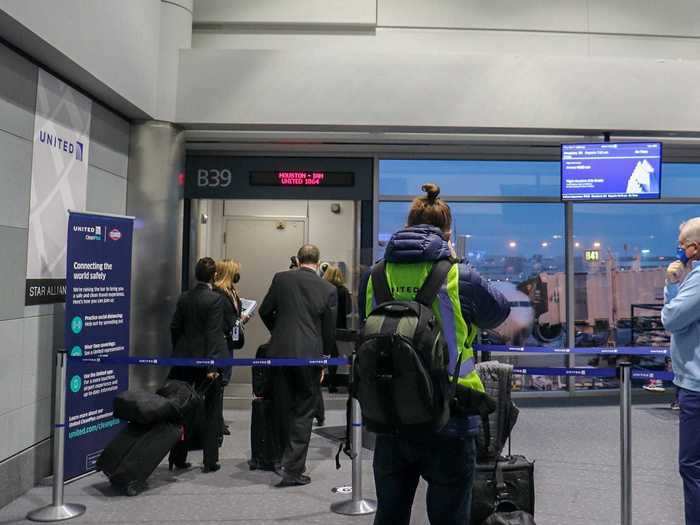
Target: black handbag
<point>506,484</point>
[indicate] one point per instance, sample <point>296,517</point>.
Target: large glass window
<point>471,177</point>
<point>621,252</point>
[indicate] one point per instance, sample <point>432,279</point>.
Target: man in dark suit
<point>197,331</point>
<point>300,312</point>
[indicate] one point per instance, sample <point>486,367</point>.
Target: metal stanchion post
<point>58,510</point>
<point>626,443</point>
<point>357,506</point>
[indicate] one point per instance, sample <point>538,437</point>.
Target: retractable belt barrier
<point>358,505</point>
<point>339,361</point>
<point>185,361</point>
<point>597,350</point>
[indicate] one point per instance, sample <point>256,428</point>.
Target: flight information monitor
<point>611,171</point>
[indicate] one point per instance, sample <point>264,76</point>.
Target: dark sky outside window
<point>536,230</point>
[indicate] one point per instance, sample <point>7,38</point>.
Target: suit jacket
<point>197,326</point>
<point>300,312</point>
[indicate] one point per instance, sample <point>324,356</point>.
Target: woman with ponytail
<point>446,458</point>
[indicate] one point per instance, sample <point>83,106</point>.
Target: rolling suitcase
<point>506,484</point>
<point>133,455</point>
<point>266,449</point>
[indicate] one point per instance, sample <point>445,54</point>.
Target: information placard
<point>98,279</point>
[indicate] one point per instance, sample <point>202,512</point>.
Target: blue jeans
<point>446,463</point>
<point>689,453</point>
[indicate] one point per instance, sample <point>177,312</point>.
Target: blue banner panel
<point>98,280</point>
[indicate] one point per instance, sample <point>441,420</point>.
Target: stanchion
<point>626,443</point>
<point>58,510</point>
<point>357,506</point>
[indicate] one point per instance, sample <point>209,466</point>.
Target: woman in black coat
<point>228,273</point>
<point>335,276</point>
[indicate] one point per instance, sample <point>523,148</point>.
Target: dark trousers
<point>295,403</point>
<point>689,453</point>
<point>207,429</point>
<point>447,464</point>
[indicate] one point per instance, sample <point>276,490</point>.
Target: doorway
<point>263,246</point>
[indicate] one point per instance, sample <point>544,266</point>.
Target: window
<point>620,255</point>
<point>470,177</point>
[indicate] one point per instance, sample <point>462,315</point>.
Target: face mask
<point>682,257</point>
<point>236,278</point>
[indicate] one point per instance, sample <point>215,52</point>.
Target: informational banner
<point>59,183</point>
<point>97,324</point>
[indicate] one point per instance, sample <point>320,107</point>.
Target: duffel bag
<point>516,517</point>
<point>144,408</point>
<point>506,480</point>
<point>187,400</point>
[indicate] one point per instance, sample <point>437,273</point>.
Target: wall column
<point>155,198</point>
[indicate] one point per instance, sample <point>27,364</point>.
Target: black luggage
<point>497,380</point>
<point>133,455</point>
<point>516,517</point>
<point>261,375</point>
<point>144,408</point>
<point>264,438</point>
<point>506,484</point>
<point>187,400</point>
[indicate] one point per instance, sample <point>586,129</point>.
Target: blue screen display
<point>607,171</point>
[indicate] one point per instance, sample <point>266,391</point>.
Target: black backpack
<point>401,366</point>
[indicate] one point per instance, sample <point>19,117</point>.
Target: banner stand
<point>58,510</point>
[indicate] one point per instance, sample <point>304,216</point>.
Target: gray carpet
<point>576,470</point>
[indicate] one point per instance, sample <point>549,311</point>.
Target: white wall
<point>337,12</point>
<point>116,41</point>
<point>123,52</point>
<point>30,335</point>
<point>448,64</point>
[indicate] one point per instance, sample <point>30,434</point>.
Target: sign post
<point>58,510</point>
<point>97,324</point>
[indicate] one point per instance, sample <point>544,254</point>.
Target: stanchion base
<point>63,512</point>
<point>355,508</point>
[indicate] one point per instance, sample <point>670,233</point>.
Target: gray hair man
<point>681,317</point>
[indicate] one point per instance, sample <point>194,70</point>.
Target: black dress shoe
<point>211,468</point>
<point>178,466</point>
<point>226,431</point>
<point>293,481</point>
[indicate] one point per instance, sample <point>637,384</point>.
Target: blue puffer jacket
<point>482,305</point>
<point>465,303</point>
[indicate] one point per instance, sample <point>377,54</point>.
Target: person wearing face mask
<point>681,317</point>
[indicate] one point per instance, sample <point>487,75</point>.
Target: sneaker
<point>654,385</point>
<point>675,405</point>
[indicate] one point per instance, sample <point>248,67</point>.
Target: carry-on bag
<point>144,408</point>
<point>516,517</point>
<point>265,444</point>
<point>507,484</point>
<point>497,380</point>
<point>262,385</point>
<point>132,456</point>
<point>185,397</point>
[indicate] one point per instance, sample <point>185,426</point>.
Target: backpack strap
<point>380,285</point>
<point>436,278</point>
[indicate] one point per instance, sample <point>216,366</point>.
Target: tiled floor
<point>577,478</point>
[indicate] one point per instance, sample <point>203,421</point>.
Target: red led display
<point>299,178</point>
